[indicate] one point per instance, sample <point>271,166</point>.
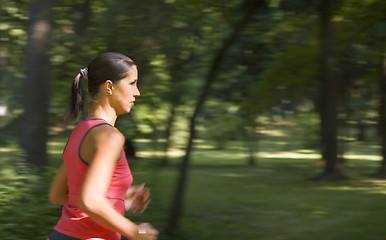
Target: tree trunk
<point>251,151</point>
<point>251,138</point>
<point>84,11</point>
<point>361,132</point>
<point>168,131</point>
<point>37,82</point>
<point>176,96</point>
<point>382,169</point>
<point>328,94</point>
<point>177,206</point>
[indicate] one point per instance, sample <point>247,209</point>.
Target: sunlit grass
<point>363,157</point>
<point>289,155</point>
<point>369,186</point>
<point>8,149</point>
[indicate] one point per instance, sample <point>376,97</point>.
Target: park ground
<point>225,198</point>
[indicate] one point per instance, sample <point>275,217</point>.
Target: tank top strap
<point>95,121</point>
<point>85,127</point>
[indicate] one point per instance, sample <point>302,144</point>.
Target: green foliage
<point>173,42</point>
<point>12,42</point>
<point>222,125</point>
<point>305,130</point>
<point>24,208</point>
<point>360,47</point>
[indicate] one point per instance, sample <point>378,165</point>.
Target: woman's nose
<point>136,92</point>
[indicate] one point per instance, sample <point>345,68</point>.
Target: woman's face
<point>124,92</point>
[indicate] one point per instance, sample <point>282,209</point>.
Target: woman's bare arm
<point>101,149</point>
<point>58,193</point>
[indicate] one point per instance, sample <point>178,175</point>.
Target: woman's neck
<point>106,113</point>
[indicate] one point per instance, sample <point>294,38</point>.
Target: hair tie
<point>84,73</point>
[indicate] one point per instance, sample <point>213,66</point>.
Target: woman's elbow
<point>87,205</point>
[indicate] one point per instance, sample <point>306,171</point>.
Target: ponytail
<point>75,109</point>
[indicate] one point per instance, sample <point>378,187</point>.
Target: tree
<point>328,114</point>
<point>382,170</point>
<point>37,82</point>
<point>176,210</point>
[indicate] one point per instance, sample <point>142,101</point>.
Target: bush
<point>222,127</point>
<point>24,209</point>
<point>305,130</point>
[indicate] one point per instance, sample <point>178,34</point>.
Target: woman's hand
<point>147,232</point>
<point>137,198</point>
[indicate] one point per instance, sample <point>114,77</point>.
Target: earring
<point>110,93</point>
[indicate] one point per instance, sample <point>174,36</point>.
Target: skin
<point>100,149</point>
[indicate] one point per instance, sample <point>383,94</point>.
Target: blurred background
<point>258,119</point>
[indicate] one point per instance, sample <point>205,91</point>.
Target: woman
<point>94,183</point>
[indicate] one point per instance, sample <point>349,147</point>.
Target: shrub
<point>24,209</point>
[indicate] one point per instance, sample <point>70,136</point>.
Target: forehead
<point>133,71</point>
<point>132,75</point>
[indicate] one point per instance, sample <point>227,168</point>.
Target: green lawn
<point>276,200</point>
<point>271,203</point>
<point>225,199</point>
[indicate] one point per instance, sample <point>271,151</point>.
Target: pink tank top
<point>73,221</point>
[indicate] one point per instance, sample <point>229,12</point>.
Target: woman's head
<point>107,66</point>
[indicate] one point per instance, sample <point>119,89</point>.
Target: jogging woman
<point>94,182</point>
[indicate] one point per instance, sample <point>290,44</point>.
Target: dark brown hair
<point>107,66</point>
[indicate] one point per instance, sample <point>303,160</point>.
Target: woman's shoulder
<point>107,132</point>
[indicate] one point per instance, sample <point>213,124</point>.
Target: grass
<point>271,203</point>
<point>225,199</point>
<point>275,200</point>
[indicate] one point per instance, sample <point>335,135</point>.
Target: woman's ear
<point>108,87</point>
